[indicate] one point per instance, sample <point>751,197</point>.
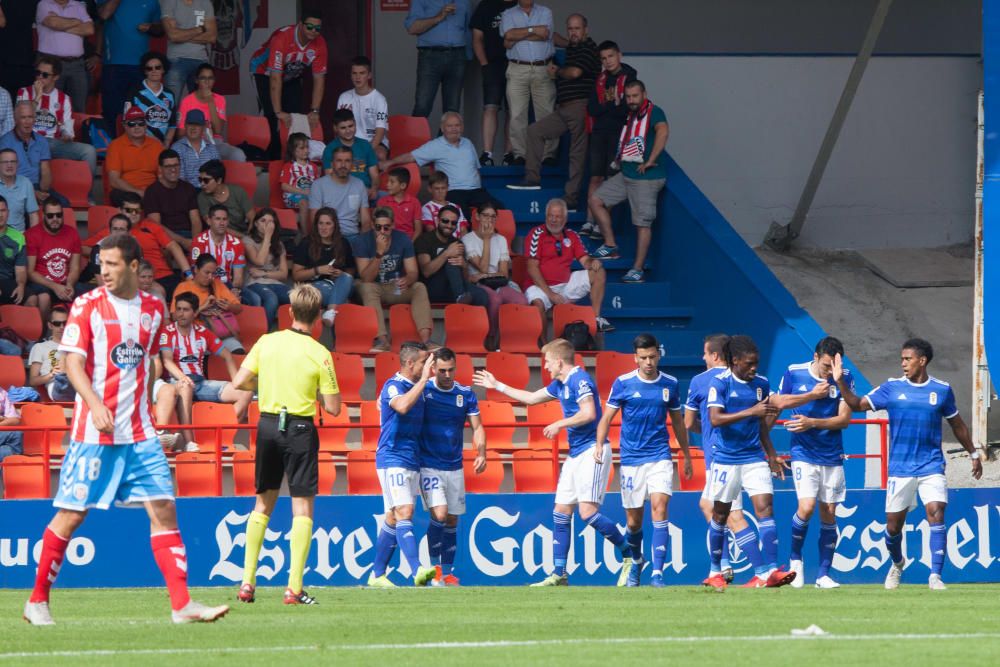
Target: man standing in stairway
<point>643,174</point>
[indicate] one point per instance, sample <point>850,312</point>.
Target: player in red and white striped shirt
<point>114,454</point>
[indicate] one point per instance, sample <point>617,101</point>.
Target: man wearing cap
<point>194,149</point>
<point>132,158</point>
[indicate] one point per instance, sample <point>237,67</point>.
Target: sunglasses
<point>448,221</point>
<point>131,210</point>
<point>44,75</point>
<point>383,228</point>
<point>135,123</point>
<point>154,68</point>
<point>54,216</point>
<point>57,323</point>
<point>205,179</point>
<point>313,27</point>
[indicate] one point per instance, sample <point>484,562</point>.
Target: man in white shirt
<point>371,111</point>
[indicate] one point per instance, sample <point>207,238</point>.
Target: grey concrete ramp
<point>919,267</point>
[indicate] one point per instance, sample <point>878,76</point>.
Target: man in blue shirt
<point>447,406</point>
<point>583,478</point>
<point>397,462</point>
<point>647,470</point>
<point>442,30</point>
<point>128,25</point>
<point>743,458</point>
<point>916,403</point>
<point>18,191</point>
<point>696,420</point>
<point>33,153</point>
<point>819,415</point>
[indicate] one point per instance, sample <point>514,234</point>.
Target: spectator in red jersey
<point>297,176</point>
<point>277,68</point>
<point>405,207</point>
<point>184,344</point>
<point>61,26</point>
<point>551,250</point>
<point>226,248</point>
<point>53,259</point>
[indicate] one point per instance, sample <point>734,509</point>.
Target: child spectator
<point>297,176</point>
<point>437,185</point>
<point>405,207</point>
<point>370,109</point>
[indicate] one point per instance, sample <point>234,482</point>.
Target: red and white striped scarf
<point>632,143</point>
<point>601,85</point>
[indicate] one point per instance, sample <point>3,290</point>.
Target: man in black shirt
<point>441,258</point>
<point>574,83</point>
<point>487,44</point>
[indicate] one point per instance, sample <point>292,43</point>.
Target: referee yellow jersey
<point>290,367</point>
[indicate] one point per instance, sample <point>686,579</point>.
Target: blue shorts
<point>97,475</point>
<point>209,390</point>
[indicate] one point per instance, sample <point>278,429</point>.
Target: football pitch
<point>555,626</point>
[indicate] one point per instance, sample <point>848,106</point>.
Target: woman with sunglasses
<point>267,267</point>
<point>488,257</point>
<point>45,362</point>
<point>325,259</point>
<point>154,99</point>
<point>205,99</point>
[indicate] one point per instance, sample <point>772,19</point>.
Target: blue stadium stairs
<point>701,278</point>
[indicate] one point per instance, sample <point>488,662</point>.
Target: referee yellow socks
<point>256,526</point>
<point>302,530</point>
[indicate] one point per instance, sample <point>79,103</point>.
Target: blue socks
<point>661,544</point>
<point>435,530</point>
<point>939,538</point>
<point>607,527</point>
<point>716,542</point>
<point>769,541</point>
<point>724,563</point>
<point>408,544</point>
<point>560,541</point>
<point>449,544</point>
<point>635,543</point>
<point>746,540</point>
<point>827,545</point>
<point>385,546</point>
<point>894,544</point>
<point>799,529</point>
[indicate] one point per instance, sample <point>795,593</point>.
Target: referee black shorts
<point>294,453</point>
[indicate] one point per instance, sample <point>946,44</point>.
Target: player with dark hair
<point>743,458</point>
<point>645,396</point>
<point>819,415</point>
<point>916,403</point>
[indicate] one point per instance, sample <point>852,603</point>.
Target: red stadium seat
<point>520,328</point>
<point>350,376</point>
<point>386,365</point>
<point>414,186</point>
<point>73,180</point>
<point>355,328</point>
<point>197,475</point>
<point>243,174</point>
<point>244,482</point>
<point>509,368</point>
<point>316,134</point>
<point>327,473</point>
<point>533,472</point>
<point>465,328</point>
<point>203,412</point>
<point>490,480</point>
<point>463,369</point>
<point>492,413</point>
<point>401,325</point>
<point>407,133</point>
<point>253,130</point>
<point>609,366</point>
<point>42,414</point>
<point>369,434</point>
<point>361,476</point>
<point>11,371</point>
<point>519,269</point>
<point>253,325</point>
<point>288,219</point>
<point>25,320</point>
<point>216,369</point>
<point>545,413</point>
<point>285,321</point>
<point>97,219</point>
<point>564,313</point>
<point>697,481</point>
<point>274,199</point>
<point>332,439</point>
<point>25,477</point>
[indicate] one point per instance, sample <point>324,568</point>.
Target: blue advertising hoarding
<point>503,540</point>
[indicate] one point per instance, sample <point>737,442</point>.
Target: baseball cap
<point>135,113</point>
<point>194,117</point>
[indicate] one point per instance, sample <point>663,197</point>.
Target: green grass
<point>667,625</point>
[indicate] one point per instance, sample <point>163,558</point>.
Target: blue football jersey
<point>737,443</point>
<point>915,413</point>
<point>578,385</point>
<point>399,439</point>
<point>644,405</point>
<point>443,435</point>
<point>697,401</point>
<point>824,447</point>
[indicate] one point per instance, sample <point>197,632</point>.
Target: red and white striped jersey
<point>118,338</point>
<point>54,115</point>
<point>189,349</point>
<point>229,254</point>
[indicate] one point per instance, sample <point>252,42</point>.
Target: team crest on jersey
<point>712,394</point>
<point>194,253</point>
<point>566,393</point>
<point>229,255</point>
<point>833,391</point>
<point>392,391</point>
<point>932,398</point>
<point>146,322</point>
<point>459,401</point>
<point>157,114</point>
<point>128,355</point>
<point>72,334</point>
<point>666,395</point>
<point>567,242</point>
<point>760,394</point>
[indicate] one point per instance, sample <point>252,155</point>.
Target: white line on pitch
<point>503,644</point>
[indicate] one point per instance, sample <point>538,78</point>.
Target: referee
<point>288,368</point>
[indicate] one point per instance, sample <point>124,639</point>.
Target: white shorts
<point>399,486</point>
<point>575,289</point>
<point>158,384</point>
<point>736,506</point>
<point>583,480</point>
<point>641,481</point>
<point>443,488</point>
<point>901,492</point>
<point>824,483</point>
<point>729,480</point>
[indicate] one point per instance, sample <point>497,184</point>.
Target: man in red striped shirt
<point>114,454</point>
